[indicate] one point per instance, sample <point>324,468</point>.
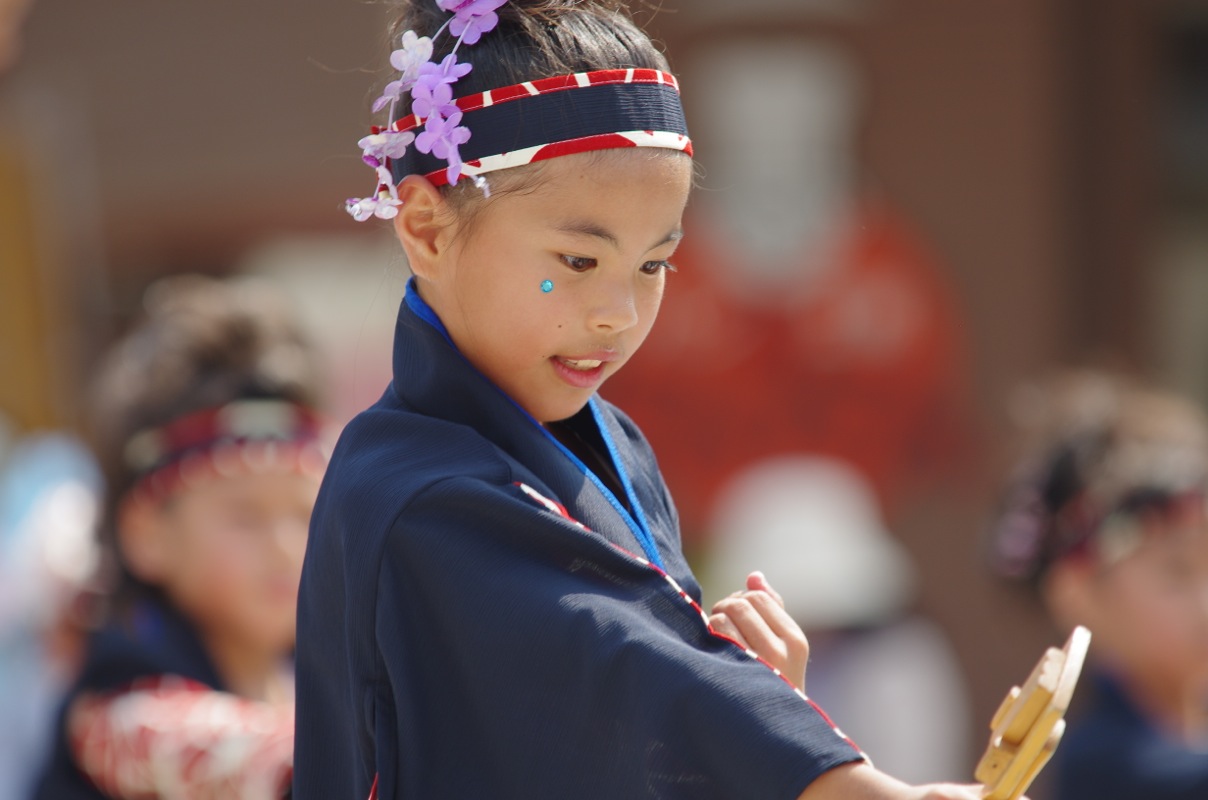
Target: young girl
<point>494,602</point>
<point>211,451</point>
<point>1107,521</point>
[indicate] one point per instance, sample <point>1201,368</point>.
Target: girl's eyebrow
<point>577,227</point>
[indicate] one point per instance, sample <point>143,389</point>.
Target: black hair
<point>539,39</point>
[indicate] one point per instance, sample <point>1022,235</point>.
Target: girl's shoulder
<point>406,451</point>
<point>387,456</point>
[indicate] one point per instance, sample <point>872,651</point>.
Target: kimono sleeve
<point>524,656</point>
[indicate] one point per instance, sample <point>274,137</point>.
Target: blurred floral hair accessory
<point>246,436</point>
<point>510,126</point>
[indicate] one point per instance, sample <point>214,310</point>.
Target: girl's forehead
<point>617,203</point>
<point>592,179</point>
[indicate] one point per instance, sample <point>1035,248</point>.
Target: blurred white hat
<point>812,525</point>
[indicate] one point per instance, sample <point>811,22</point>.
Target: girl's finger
<point>758,582</point>
<point>770,632</point>
<point>771,609</point>
<point>722,625</point>
<point>766,627</point>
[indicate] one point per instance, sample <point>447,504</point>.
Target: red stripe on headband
<point>244,437</point>
<point>241,420</point>
<point>583,144</point>
<point>230,460</point>
<point>601,142</point>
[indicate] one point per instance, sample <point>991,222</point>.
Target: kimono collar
<point>432,377</point>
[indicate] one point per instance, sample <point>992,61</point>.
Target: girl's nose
<point>614,308</point>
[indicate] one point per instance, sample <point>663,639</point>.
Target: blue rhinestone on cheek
<point>547,286</point>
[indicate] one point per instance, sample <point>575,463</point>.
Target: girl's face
<point>598,228</point>
<point>229,555</point>
<point>1151,607</point>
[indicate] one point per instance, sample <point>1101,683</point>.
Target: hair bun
<point>538,39</point>
<point>544,9</point>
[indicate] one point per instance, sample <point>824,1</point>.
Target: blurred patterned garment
<point>149,717</point>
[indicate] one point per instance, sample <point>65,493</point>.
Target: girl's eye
<point>653,267</point>
<point>578,264</point>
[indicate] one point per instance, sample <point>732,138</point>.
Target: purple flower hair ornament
<point>415,52</point>
<point>430,85</point>
<point>433,89</point>
<point>376,148</point>
<point>383,204</point>
<point>441,137</point>
<point>471,18</point>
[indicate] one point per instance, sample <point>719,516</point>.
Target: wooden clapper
<point>1028,725</point>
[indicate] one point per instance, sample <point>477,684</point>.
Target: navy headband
<point>551,117</point>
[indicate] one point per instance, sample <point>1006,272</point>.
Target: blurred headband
<point>242,437</point>
<point>1057,510</point>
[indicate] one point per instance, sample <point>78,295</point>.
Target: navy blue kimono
<point>482,616</point>
<point>1112,752</point>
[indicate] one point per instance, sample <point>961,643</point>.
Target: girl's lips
<point>583,372</point>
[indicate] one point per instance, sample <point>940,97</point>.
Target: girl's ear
<point>141,537</point>
<point>424,224</point>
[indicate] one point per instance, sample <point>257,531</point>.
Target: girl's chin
<point>547,414</point>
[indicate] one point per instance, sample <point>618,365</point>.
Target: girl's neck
<point>249,671</point>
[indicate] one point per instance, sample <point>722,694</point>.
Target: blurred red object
<point>862,359</point>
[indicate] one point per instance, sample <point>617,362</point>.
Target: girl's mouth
<point>582,373</point>
<point>583,364</point>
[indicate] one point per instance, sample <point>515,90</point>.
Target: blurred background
<point>907,207</point>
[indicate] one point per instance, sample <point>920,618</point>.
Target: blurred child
<point>209,441</point>
<point>1106,519</point>
<point>495,602</point>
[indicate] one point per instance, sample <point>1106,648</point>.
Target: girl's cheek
<point>1178,619</point>
<point>230,553</point>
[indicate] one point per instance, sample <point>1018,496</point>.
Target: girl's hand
<point>756,619</point>
<point>862,781</point>
<point>952,791</point>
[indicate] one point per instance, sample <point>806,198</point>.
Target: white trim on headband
<point>530,155</point>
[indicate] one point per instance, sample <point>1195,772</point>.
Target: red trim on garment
<point>560,509</point>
